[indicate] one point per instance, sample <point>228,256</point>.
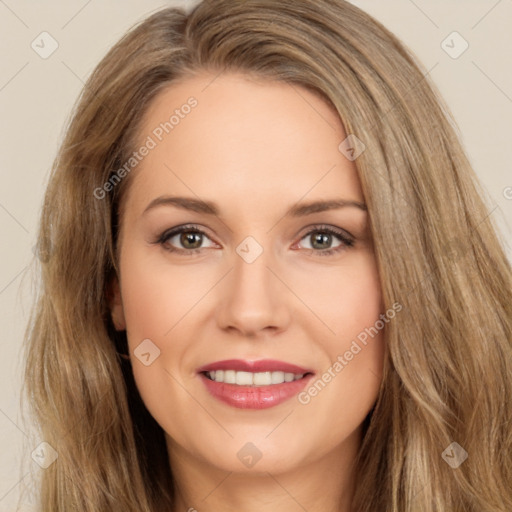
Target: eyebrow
<point>210,208</point>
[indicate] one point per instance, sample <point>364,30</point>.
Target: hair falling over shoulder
<point>448,368</point>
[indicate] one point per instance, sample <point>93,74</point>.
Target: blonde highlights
<point>448,370</point>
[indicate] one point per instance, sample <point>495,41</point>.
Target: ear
<point>116,304</point>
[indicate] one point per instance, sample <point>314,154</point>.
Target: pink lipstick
<point>254,384</point>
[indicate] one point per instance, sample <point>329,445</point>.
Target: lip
<point>254,397</point>
<point>263,365</point>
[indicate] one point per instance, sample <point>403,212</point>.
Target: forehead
<point>234,137</point>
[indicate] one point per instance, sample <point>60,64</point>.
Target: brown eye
<point>321,240</point>
<point>325,241</point>
<point>185,240</point>
<point>191,239</point>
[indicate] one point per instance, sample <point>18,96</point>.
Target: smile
<point>241,378</point>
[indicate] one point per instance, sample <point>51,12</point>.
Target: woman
<point>269,280</point>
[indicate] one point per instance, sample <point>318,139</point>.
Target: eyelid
<point>184,227</point>
<point>325,227</point>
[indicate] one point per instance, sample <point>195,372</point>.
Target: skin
<point>254,148</point>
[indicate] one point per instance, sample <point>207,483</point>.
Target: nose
<point>253,301</point>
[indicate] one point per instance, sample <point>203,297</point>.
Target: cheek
<point>156,295</point>
<point>157,301</point>
<point>359,328</point>
<point>345,299</point>
<point>351,335</point>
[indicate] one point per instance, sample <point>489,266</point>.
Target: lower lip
<point>254,397</point>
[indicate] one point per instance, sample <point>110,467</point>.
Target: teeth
<point>229,377</point>
<point>252,379</point>
<point>243,378</point>
<point>277,377</point>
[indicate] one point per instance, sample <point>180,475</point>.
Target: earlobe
<point>116,305</point>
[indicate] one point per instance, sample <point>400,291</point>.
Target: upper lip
<point>263,365</point>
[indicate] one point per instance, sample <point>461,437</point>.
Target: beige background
<point>36,96</point>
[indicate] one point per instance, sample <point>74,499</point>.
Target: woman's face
<point>245,237</point>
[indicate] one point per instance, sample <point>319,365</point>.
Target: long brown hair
<point>448,368</point>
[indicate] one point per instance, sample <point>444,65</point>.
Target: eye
<point>184,239</point>
<point>321,239</point>
<point>189,239</point>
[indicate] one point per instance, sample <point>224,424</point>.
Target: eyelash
<point>346,240</point>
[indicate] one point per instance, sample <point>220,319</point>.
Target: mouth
<point>254,384</point>
<point>253,379</point>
